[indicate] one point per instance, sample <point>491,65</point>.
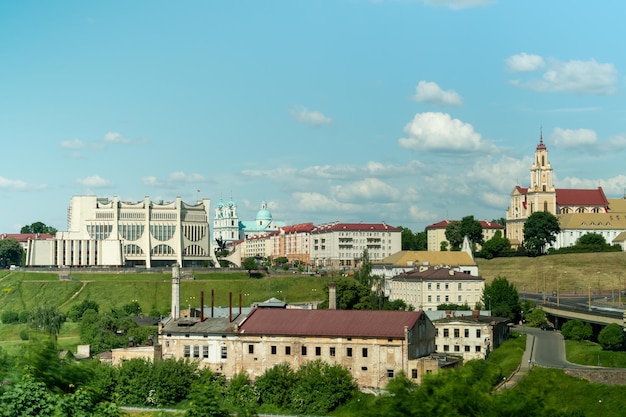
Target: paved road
<point>548,349</point>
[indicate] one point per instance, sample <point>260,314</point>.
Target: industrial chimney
<point>175,313</point>
<point>332,296</point>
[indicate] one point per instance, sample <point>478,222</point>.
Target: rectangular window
<point>446,333</point>
<point>447,298</point>
<point>332,351</point>
<point>457,333</point>
<point>273,349</point>
<point>250,348</point>
<point>477,332</point>
<point>460,287</point>
<point>477,348</point>
<point>287,350</point>
<point>467,348</point>
<point>318,351</point>
<point>414,373</point>
<point>438,298</point>
<point>430,298</point>
<point>196,351</point>
<point>457,348</point>
<point>447,286</point>
<point>446,348</point>
<point>459,298</point>
<point>303,350</point>
<point>205,352</point>
<point>364,352</point>
<point>389,373</point>
<point>438,286</point>
<point>224,352</point>
<point>187,350</point>
<point>466,332</point>
<point>430,286</point>
<point>349,352</point>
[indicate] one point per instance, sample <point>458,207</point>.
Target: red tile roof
<point>333,323</point>
<point>569,197</point>
<point>355,227</point>
<point>25,237</point>
<point>436,274</point>
<point>298,228</point>
<point>484,223</point>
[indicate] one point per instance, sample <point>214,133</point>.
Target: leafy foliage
<point>11,252</point>
<point>76,312</point>
<point>46,319</point>
<point>495,247</point>
<point>576,330</point>
<point>611,337</point>
<point>38,227</point>
<point>454,235</point>
<point>250,264</point>
<point>502,298</point>
<point>28,398</point>
<point>540,230</point>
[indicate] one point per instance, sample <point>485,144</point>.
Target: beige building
<point>436,233</point>
<point>470,336</point>
<point>111,232</point>
<point>341,245</point>
<point>576,209</point>
<point>427,287</point>
<point>292,242</point>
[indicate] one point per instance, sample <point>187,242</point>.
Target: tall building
<point>226,222</point>
<point>541,195</point>
<point>111,232</point>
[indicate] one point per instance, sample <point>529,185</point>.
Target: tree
<point>77,310</point>
<point>454,235</point>
<point>47,319</point>
<point>611,337</point>
<point>250,264</point>
<point>409,239</point>
<point>502,298</point>
<point>11,252</point>
<point>207,400</point>
<point>540,230</point>
<point>28,398</point>
<point>421,240</point>
<point>576,330</point>
<point>496,246</point>
<point>275,384</point>
<point>38,227</point>
<point>592,242</point>
<point>472,229</point>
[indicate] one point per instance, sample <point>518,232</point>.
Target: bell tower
<point>541,193</point>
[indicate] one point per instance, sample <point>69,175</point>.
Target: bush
<point>576,330</point>
<point>10,317</point>
<point>611,337</point>
<point>24,334</point>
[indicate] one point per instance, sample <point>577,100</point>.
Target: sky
<point>407,112</point>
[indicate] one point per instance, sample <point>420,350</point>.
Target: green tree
<point>502,298</point>
<point>472,229</point>
<point>408,238</point>
<point>250,264</point>
<point>496,246</point>
<point>38,227</point>
<point>454,235</point>
<point>241,394</point>
<point>207,400</point>
<point>11,252</point>
<point>576,330</point>
<point>28,398</point>
<point>611,337</point>
<point>540,230</point>
<point>592,242</point>
<point>421,240</point>
<point>275,384</point>
<point>47,319</point>
<point>76,312</point>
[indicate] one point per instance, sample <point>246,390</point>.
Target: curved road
<point>548,349</point>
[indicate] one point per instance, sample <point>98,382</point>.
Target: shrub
<point>10,317</point>
<point>611,337</point>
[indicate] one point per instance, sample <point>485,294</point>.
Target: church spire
<point>541,146</point>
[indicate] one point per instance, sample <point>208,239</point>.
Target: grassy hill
<point>571,272</point>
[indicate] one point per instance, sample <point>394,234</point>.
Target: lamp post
<point>589,297</point>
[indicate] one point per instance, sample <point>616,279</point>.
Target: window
<point>438,298</point>
<point>414,373</point>
<point>477,332</point>
<point>430,286</point>
<point>196,351</point>
<point>349,352</point>
<point>466,332</point>
<point>467,348</point>
<point>318,351</point>
<point>438,286</point>
<point>446,348</point>
<point>447,286</point>
<point>446,333</point>
<point>205,352</point>
<point>287,350</point>
<point>430,298</point>
<point>332,351</point>
<point>460,287</point>
<point>303,350</point>
<point>389,373</point>
<point>364,352</point>
<point>273,349</point>
<point>187,350</point>
<point>224,353</point>
<point>447,298</point>
<point>459,298</point>
<point>250,348</point>
<point>457,333</point>
<point>457,348</point>
<point>477,348</point>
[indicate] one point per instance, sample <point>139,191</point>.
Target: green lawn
<point>509,355</point>
<point>589,353</point>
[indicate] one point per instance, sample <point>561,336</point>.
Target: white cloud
<point>573,138</point>
<point>18,185</point>
<point>612,186</point>
<point>617,143</point>
<point>439,132</point>
<point>72,144</point>
<point>113,137</point>
<point>366,190</point>
<point>582,77</point>
<point>175,180</point>
<point>524,62</point>
<point>418,214</point>
<point>430,92</point>
<point>458,4</point>
<point>94,181</point>
<point>310,117</point>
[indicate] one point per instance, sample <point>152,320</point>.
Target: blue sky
<point>407,112</point>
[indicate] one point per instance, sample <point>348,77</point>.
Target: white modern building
<point>111,232</point>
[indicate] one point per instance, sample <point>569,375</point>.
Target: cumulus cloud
<point>114,137</point>
<point>440,132</point>
<point>18,185</point>
<point>617,143</point>
<point>367,189</point>
<point>94,181</point>
<point>310,117</point>
<point>457,4</point>
<point>72,144</point>
<point>175,179</point>
<point>524,62</point>
<point>582,77</point>
<point>573,138</point>
<point>430,92</point>
<point>613,186</point>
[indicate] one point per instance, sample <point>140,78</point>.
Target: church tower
<point>226,222</point>
<point>541,193</point>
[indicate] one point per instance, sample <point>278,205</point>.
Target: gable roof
<point>25,237</point>
<point>617,205</point>
<point>436,274</point>
<point>419,257</point>
<point>573,197</point>
<point>592,221</point>
<point>333,323</point>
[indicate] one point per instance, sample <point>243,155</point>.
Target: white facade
<point>428,287</point>
<point>341,245</point>
<point>110,232</point>
<point>226,222</point>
